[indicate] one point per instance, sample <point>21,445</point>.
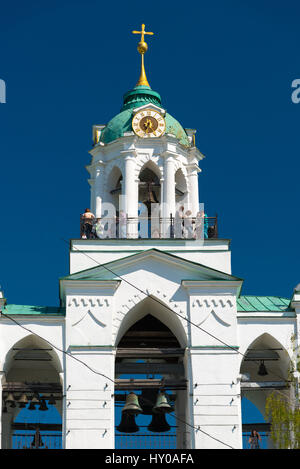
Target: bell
<point>127,424</point>
<point>43,405</point>
<point>158,423</point>
<point>23,401</point>
<point>162,404</point>
<point>132,405</point>
<point>10,400</point>
<point>262,370</point>
<point>34,401</point>
<point>51,401</point>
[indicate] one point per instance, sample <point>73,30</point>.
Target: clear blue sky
<point>223,68</point>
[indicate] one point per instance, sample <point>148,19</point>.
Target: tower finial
<point>142,48</point>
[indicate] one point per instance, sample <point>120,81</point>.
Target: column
<point>168,206</point>
<point>193,189</point>
<point>131,194</point>
<point>97,192</point>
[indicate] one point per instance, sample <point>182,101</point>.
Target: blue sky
<point>223,68</point>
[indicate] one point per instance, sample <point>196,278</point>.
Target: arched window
<point>150,373</point>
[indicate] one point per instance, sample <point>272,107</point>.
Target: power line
<point>101,374</point>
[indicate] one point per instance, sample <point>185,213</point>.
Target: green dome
<point>122,122</point>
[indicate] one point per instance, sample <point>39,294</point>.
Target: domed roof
<point>122,122</point>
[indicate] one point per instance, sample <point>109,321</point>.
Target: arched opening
<point>264,369</point>
<point>149,198</point>
<point>150,364</point>
<point>114,187</point>
<point>180,188</point>
<point>32,397</point>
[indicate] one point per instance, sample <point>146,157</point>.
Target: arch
<point>266,350</point>
<point>277,356</point>
<point>114,186</point>
<point>152,167</point>
<point>29,342</point>
<point>180,186</point>
<point>32,369</point>
<point>159,311</point>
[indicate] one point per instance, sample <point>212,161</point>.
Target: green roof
<point>262,303</point>
<point>122,122</point>
<point>34,310</point>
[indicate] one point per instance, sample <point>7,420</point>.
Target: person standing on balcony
<point>87,222</point>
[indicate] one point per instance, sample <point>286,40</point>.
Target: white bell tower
<point>144,156</point>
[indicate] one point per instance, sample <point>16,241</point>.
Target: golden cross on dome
<point>143,32</point>
<point>142,48</point>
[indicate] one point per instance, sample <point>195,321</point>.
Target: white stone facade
<point>187,286</point>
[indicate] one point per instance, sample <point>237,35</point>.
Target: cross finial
<point>143,32</point>
<point>142,48</point>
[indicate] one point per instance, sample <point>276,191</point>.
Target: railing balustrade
<point>149,227</point>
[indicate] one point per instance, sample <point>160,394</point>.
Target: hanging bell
<point>43,405</point>
<point>132,405</point>
<point>128,424</point>
<point>10,400</point>
<point>162,404</point>
<point>34,401</point>
<point>262,370</point>
<point>158,423</point>
<point>51,400</point>
<point>23,401</point>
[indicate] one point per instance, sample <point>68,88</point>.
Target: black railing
<point>149,227</point>
<point>29,440</point>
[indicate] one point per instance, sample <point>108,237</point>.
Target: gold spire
<point>142,48</point>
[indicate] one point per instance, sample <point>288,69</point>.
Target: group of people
<point>183,225</point>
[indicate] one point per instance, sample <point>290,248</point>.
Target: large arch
<point>157,308</point>
<point>150,357</point>
<point>264,369</point>
<point>32,373</point>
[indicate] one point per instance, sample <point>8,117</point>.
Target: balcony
<point>190,228</point>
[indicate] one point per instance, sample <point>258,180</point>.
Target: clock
<point>148,123</point>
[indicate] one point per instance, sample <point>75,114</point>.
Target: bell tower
<point>144,163</point>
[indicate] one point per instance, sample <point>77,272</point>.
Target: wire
<point>101,374</point>
<point>57,348</point>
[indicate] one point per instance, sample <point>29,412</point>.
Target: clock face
<point>148,124</point>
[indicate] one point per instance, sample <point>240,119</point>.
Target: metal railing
<point>28,440</point>
<point>144,440</point>
<point>149,227</point>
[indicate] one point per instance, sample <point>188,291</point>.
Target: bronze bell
<point>162,404</point>
<point>51,401</point>
<point>23,401</point>
<point>158,423</point>
<point>127,424</point>
<point>43,405</point>
<point>132,405</point>
<point>10,400</point>
<point>34,401</point>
